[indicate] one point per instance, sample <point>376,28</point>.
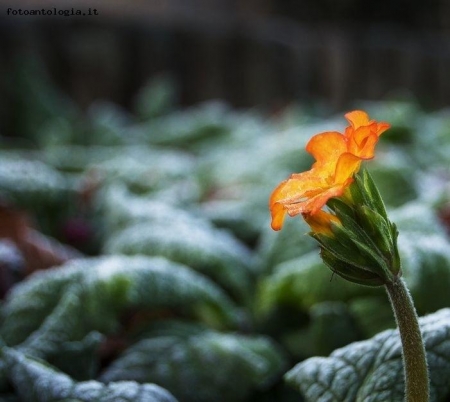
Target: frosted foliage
<point>177,362</point>
<point>204,248</point>
<point>26,176</point>
<point>100,288</point>
<point>36,381</point>
<point>205,243</point>
<point>121,209</point>
<point>148,164</point>
<point>372,370</point>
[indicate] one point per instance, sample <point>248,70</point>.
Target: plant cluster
<point>138,262</point>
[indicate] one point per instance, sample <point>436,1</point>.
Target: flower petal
<point>277,210</point>
<point>358,118</point>
<point>278,214</point>
<point>382,127</point>
<point>326,149</point>
<point>362,141</point>
<point>294,191</point>
<point>348,164</point>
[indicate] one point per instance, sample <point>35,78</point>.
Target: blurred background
<point>249,53</point>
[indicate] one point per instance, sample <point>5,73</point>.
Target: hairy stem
<point>414,355</point>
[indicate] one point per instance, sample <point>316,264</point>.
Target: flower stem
<point>414,355</point>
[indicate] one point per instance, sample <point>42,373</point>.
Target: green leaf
<point>120,208</point>
<point>32,302</point>
<point>211,251</point>
<point>37,381</point>
<point>144,169</point>
<point>53,311</point>
<point>199,364</point>
<point>372,370</point>
<point>89,294</point>
<point>31,184</point>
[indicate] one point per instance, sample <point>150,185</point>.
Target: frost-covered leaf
<point>46,313</point>
<point>89,294</point>
<point>144,168</point>
<point>372,370</point>
<point>180,357</point>
<point>54,311</point>
<point>37,381</point>
<point>212,251</point>
<point>30,183</point>
<point>120,208</point>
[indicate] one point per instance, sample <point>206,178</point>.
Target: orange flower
<point>338,157</point>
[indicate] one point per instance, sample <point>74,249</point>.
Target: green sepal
<point>350,272</point>
<point>338,205</point>
<point>343,250</point>
<point>384,235</point>
<point>369,192</point>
